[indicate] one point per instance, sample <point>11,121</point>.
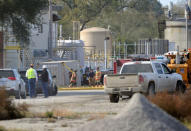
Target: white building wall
<point>38,42</point>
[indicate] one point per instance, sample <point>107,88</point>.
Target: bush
<point>8,110</point>
<point>49,114</point>
<point>179,106</point>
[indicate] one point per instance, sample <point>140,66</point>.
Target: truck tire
<point>114,98</point>
<point>180,87</point>
<point>151,89</point>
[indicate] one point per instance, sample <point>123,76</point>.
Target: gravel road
<point>71,108</point>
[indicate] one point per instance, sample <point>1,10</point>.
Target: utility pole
<point>50,30</point>
<point>124,55</point>
<point>186,29</point>
<point>119,51</point>
<point>114,50</point>
<point>105,51</point>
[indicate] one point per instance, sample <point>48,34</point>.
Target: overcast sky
<point>166,2</point>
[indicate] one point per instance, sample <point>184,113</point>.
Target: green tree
<point>84,10</point>
<point>129,20</point>
<point>20,14</point>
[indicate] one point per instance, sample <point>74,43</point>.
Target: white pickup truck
<point>147,77</point>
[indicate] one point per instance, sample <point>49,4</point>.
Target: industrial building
<point>178,30</point>
<point>70,50</point>
<point>152,46</point>
<point>16,55</point>
<point>175,32</point>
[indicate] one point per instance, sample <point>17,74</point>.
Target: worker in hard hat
<point>73,79</point>
<point>44,80</point>
<point>31,74</point>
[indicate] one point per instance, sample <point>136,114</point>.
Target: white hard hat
<point>44,66</point>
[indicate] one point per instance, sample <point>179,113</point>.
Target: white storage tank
<point>94,40</point>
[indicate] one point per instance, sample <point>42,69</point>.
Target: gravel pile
<point>138,115</point>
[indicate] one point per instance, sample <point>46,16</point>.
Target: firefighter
<point>73,79</point>
<point>98,76</point>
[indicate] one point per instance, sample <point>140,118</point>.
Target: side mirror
<point>54,76</point>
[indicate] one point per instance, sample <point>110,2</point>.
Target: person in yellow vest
<point>98,76</point>
<point>31,74</point>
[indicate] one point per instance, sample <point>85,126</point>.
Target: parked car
<point>147,77</point>
<point>13,83</point>
<point>52,87</point>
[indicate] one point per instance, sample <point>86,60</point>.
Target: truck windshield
<point>136,68</point>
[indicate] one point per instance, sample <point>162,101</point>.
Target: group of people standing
<point>90,77</point>
<point>32,76</point>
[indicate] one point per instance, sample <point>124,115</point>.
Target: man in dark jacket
<point>45,79</point>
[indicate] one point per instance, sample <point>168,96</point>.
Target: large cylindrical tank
<point>176,32</point>
<point>94,40</point>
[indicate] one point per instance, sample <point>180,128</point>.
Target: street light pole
<point>186,29</point>
<point>114,50</point>
<point>50,30</point>
<point>105,51</point>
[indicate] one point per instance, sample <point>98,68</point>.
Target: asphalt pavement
<point>80,92</point>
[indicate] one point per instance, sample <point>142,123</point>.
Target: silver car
<point>11,80</point>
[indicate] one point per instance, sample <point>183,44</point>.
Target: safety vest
<point>98,75</point>
<point>73,77</point>
<point>31,73</point>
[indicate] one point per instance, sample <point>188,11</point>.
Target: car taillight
<point>141,79</point>
<point>105,81</point>
<point>12,78</point>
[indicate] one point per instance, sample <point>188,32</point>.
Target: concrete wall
<point>176,32</point>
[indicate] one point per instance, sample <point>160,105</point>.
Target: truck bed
<point>122,80</point>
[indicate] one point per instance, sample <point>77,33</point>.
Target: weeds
<point>97,116</point>
<point>49,114</point>
<point>2,128</point>
<point>179,106</point>
<point>66,114</point>
<point>8,110</point>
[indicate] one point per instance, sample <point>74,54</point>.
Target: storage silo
<point>176,32</point>
<point>94,40</point>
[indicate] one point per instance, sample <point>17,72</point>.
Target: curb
<point>80,88</point>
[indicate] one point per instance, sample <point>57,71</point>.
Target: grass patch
<point>8,110</point>
<point>97,116</point>
<point>66,114</point>
<point>57,114</point>
<point>4,129</point>
<point>49,114</point>
<point>179,106</point>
